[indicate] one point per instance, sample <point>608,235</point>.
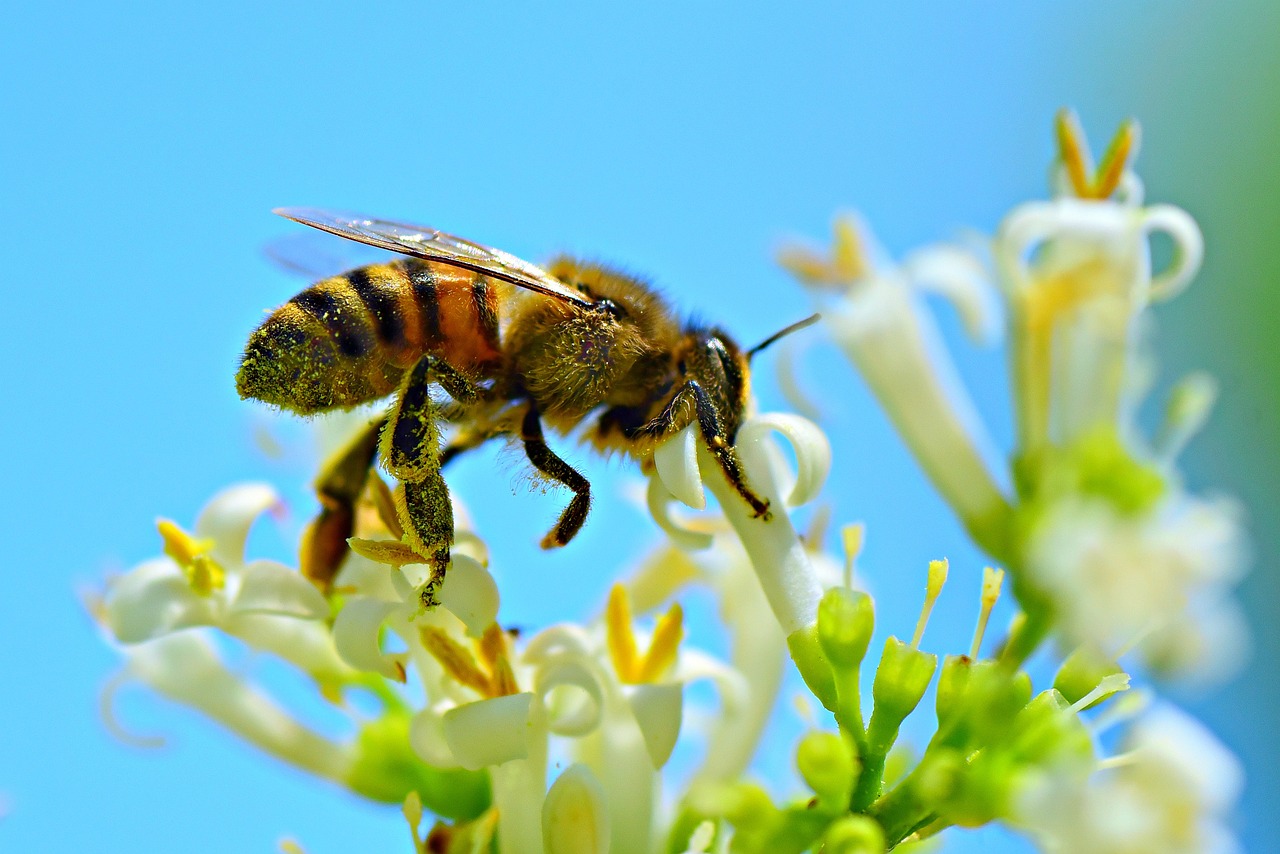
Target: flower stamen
<point>204,574</point>
<point>851,538</point>
<point>992,580</point>
<point>933,587</point>
<point>632,667</point>
<point>1077,162</point>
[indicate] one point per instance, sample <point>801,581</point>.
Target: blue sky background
<point>144,145</point>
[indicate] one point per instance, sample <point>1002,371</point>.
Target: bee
<point>514,346</point>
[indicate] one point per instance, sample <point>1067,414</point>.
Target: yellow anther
<point>385,504</point>
<point>852,538</point>
<point>1077,162</point>
<point>932,588</point>
<point>390,552</point>
<point>455,659</point>
<point>619,634</point>
<point>204,574</point>
<point>665,645</point>
<point>992,580</point>
<point>290,846</point>
<point>848,261</point>
<point>632,667</point>
<point>846,265</point>
<point>494,651</point>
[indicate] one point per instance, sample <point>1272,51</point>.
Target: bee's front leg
<point>717,438</point>
<point>546,461</point>
<point>410,449</point>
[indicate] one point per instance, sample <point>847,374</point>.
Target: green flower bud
<point>901,680</point>
<point>854,834</point>
<point>815,669</point>
<point>846,619</point>
<point>1082,672</point>
<point>827,764</point>
<point>953,679</point>
<point>386,769</point>
<point>1047,729</point>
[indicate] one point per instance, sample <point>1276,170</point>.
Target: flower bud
<point>953,679</point>
<point>827,765</point>
<point>386,769</point>
<point>854,834</point>
<point>901,680</point>
<point>575,819</point>
<point>1082,672</point>
<point>846,619</point>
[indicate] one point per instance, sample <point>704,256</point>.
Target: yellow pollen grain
<point>455,659</point>
<point>992,580</point>
<point>665,645</point>
<point>619,635</point>
<point>932,588</point>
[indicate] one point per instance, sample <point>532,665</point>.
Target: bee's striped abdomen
<point>348,339</point>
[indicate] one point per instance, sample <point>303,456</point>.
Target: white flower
<point>877,316</point>
<point>204,580</point>
<point>1077,276</point>
<point>1160,577</point>
<point>1169,794</point>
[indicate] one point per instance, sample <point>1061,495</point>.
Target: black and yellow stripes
<point>349,339</point>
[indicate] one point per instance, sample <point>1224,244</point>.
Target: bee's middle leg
<point>546,461</point>
<point>410,451</point>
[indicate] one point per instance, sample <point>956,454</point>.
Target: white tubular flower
<point>781,563</point>
<point>1170,793</point>
<point>204,580</point>
<point>186,668</point>
<point>1161,577</point>
<point>1077,275</point>
<point>877,316</point>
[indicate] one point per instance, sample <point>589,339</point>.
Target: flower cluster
<point>561,741</point>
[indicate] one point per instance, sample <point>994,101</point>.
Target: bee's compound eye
<point>610,308</point>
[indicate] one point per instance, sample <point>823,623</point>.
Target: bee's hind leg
<point>546,461</point>
<point>341,481</point>
<point>410,450</point>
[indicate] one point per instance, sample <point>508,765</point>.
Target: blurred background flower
<point>144,146</point>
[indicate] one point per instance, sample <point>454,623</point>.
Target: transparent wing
<point>316,255</point>
<point>433,245</point>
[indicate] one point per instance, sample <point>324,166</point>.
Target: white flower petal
<point>470,593</point>
<point>658,712</point>
<point>268,587</point>
<point>956,274</point>
<point>572,695</point>
<point>659,501</point>
<point>426,736</point>
<point>356,632</point>
<point>575,819</point>
<point>812,449</point>
<point>489,732</point>
<point>154,599</point>
<point>227,517</point>
<point>677,463</point>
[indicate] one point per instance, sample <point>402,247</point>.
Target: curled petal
<point>489,732</point>
<point>470,593</point>
<point>557,640</point>
<point>572,696</point>
<point>355,634</point>
<point>426,736</point>
<point>957,275</point>
<point>154,599</point>
<point>677,462</point>
<point>1188,249</point>
<point>813,450</point>
<point>227,517</point>
<point>659,501</point>
<point>658,712</point>
<point>269,587</point>
<point>575,817</point>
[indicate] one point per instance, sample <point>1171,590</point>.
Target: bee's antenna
<point>795,327</point>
